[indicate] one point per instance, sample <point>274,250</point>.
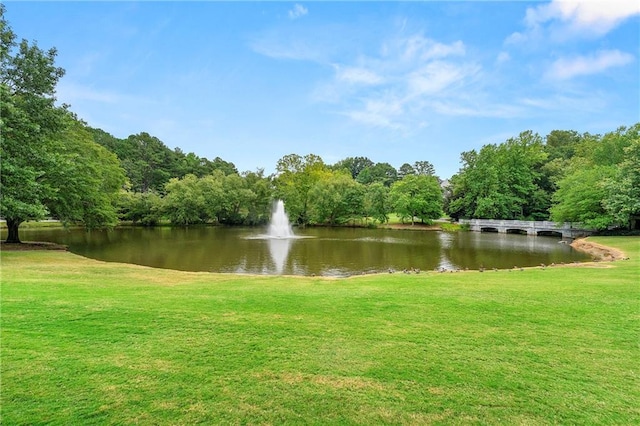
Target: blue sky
<point>397,82</point>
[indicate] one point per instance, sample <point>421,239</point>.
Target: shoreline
<point>598,251</point>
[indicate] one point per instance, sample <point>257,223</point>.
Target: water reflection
<point>279,251</point>
<point>317,251</point>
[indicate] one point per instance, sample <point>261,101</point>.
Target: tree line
<point>565,177</point>
<point>54,164</point>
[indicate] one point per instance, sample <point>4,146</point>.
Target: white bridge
<point>566,230</point>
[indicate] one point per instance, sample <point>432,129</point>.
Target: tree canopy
<point>49,162</point>
<point>501,181</point>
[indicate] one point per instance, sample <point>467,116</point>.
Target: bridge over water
<point>565,230</point>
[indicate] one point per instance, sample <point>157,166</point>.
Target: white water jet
<point>279,227</point>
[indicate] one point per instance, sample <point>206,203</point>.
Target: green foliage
<point>49,162</point>
<point>185,203</point>
<point>599,188</point>
<point>259,204</point>
<point>354,165</point>
<point>417,196</point>
<point>579,197</point>
<point>384,173</point>
<point>144,208</point>
<point>296,176</point>
<point>229,199</point>
<point>85,180</point>
<point>376,202</point>
<point>149,163</point>
<point>622,201</point>
<point>501,181</point>
<point>337,199</point>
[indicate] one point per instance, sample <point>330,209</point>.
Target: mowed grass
<point>87,342</point>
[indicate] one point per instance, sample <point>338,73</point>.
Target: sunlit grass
<point>88,342</point>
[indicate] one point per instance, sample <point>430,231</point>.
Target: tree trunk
<point>12,227</point>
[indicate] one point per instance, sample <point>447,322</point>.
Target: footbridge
<point>565,230</point>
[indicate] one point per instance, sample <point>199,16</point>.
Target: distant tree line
<point>53,164</point>
<point>313,192</point>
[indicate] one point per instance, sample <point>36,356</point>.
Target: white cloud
<point>420,48</point>
<point>437,76</point>
<point>392,89</point>
<point>379,113</point>
<point>485,110</point>
<point>298,11</point>
<point>296,49</point>
<point>566,68</point>
<point>357,75</point>
<point>593,16</point>
<point>567,18</point>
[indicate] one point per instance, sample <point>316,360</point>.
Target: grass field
<point>87,342</point>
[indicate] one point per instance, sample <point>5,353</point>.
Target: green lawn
<point>87,342</point>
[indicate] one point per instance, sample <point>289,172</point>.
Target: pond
<point>314,251</point>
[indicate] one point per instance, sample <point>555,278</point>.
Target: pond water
<point>315,251</point>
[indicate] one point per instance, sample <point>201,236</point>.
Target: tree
<point>501,181</point>
<point>354,165</point>
<point>336,199</point>
<point>296,176</point>
<point>184,202</point>
<point>417,196</point>
<point>86,179</point>
<point>376,202</point>
<point>424,168</point>
<point>140,207</point>
<point>599,188</point>
<point>148,163</point>
<point>405,170</point>
<point>580,196</point>
<point>49,162</point>
<point>562,144</point>
<point>384,173</point>
<point>259,207</point>
<point>622,201</point>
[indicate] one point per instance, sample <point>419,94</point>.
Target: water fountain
<point>279,235</point>
<point>279,227</point>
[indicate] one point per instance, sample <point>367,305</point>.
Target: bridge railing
<point>523,224</point>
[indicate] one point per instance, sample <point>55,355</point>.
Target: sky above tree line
<point>397,82</point>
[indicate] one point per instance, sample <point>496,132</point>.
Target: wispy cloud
<point>357,75</point>
<point>379,112</point>
<point>566,68</point>
<point>298,11</point>
<point>399,87</point>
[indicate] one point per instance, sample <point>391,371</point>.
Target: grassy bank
<point>86,342</point>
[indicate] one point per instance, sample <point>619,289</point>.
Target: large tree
<point>296,175</point>
<point>336,199</point>
<point>354,165</point>
<point>384,173</point>
<point>417,196</point>
<point>502,181</point>
<point>49,162</point>
<point>623,192</point>
<point>600,185</point>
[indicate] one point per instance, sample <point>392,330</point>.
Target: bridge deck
<point>567,230</point>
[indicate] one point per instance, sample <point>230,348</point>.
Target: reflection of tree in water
<point>326,256</point>
<point>323,252</point>
<point>474,250</point>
